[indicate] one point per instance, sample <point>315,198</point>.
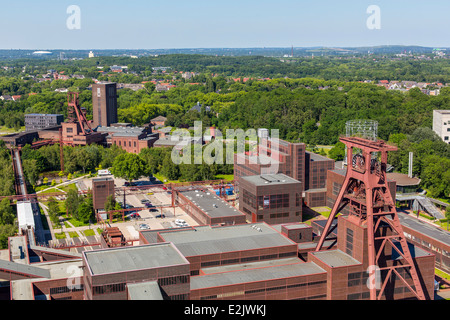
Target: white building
<point>441,124</point>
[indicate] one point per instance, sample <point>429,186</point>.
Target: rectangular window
<point>349,242</point>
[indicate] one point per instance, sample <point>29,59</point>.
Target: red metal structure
<point>366,192</point>
<point>75,113</point>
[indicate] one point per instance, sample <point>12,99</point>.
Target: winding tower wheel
<point>366,192</point>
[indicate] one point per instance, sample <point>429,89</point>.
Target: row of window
<point>279,215</point>
<point>125,143</point>
<point>173,280</point>
<point>247,259</point>
<point>264,290</point>
<point>66,289</point>
<point>109,288</point>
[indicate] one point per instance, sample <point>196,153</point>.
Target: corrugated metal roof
<point>133,258</point>
<point>209,240</point>
<point>24,269</point>
<point>253,275</point>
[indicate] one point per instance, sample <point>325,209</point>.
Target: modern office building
<point>291,159</point>
<point>441,124</point>
<point>272,198</point>
<point>272,157</point>
<point>38,121</point>
<point>104,104</point>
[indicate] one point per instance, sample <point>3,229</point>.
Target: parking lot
<point>155,197</point>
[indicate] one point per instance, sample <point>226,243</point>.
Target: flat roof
<point>24,269</point>
<point>424,228</point>
<point>343,172</point>
<point>25,215</point>
<point>125,259</point>
<point>251,265</point>
<point>148,290</point>
<point>335,258</point>
<point>442,111</point>
<point>270,179</point>
<point>211,204</point>
<point>210,240</point>
<point>258,159</point>
<point>402,179</point>
<point>317,157</point>
<point>255,275</point>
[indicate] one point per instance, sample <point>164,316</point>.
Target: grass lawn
<point>73,234</point>
<point>50,190</point>
<point>163,179</point>
<point>89,232</point>
<point>68,187</point>
<point>99,231</point>
<point>76,223</point>
<point>61,235</point>
<point>228,177</point>
<point>6,130</point>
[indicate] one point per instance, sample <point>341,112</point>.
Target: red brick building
<point>272,198</point>
<point>208,209</point>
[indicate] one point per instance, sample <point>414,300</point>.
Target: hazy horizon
<point>146,25</point>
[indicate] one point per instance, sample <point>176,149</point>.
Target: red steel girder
<point>376,191</point>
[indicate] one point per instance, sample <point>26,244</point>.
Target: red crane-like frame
<point>366,191</point>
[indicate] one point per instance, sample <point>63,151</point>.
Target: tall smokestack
<point>410,165</point>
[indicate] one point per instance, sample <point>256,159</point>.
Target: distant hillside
<point>269,52</point>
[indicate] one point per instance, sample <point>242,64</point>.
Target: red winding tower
<point>370,203</point>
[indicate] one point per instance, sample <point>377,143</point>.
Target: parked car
<point>153,210</point>
<point>164,188</point>
<point>135,215</point>
<point>181,223</point>
<point>145,200</point>
<point>160,216</point>
<point>144,226</point>
<point>149,205</point>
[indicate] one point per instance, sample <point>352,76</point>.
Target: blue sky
<point>151,24</point>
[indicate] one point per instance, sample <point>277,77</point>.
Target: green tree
<point>447,215</point>
<point>86,210</point>
<point>337,152</point>
<point>6,212</point>
<point>31,170</point>
<point>110,203</point>
<point>6,231</point>
<point>128,166</point>
<point>53,210</point>
<point>73,201</point>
